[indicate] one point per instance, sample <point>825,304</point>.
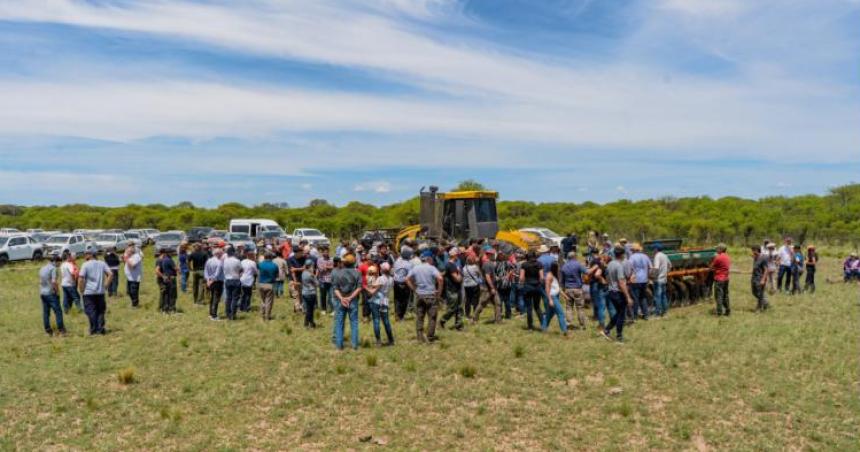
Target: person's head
<point>382,248</point>
<point>89,255</point>
<point>268,256</point>
<point>70,257</point>
<point>385,268</point>
<point>796,247</point>
<point>543,249</point>
<point>336,262</point>
<point>553,268</point>
<point>771,246</point>
<point>571,255</point>
<point>853,255</point>
<point>554,249</point>
<point>130,246</point>
<point>427,256</point>
<point>788,240</point>
<point>198,247</point>
<point>111,249</point>
<point>531,256</point>
<point>605,236</point>
<point>372,271</point>
<point>56,260</point>
<point>810,249</point>
<point>218,252</point>
<point>636,247</point>
<point>325,252</point>
<point>309,265</point>
<point>231,251</point>
<point>501,256</point>
<point>454,253</point>
<point>299,251</point>
<point>619,252</point>
<point>406,253</point>
<point>491,254</point>
<point>623,241</point>
<point>657,247</point>
<point>721,248</point>
<point>755,251</point>
<point>163,253</point>
<point>349,260</point>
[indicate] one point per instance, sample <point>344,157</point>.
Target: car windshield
<point>549,233</point>
<point>58,239</point>
<point>217,234</point>
<point>312,232</point>
<point>169,237</point>
<point>271,228</point>
<point>239,236</point>
<point>106,238</point>
<point>271,234</point>
<point>132,235</point>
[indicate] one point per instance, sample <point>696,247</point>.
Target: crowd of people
<point>443,285</point>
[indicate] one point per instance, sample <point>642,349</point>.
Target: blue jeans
<point>114,282</point>
<point>71,296</point>
<point>233,290</point>
<point>326,297</point>
<point>309,302</point>
<point>340,318</point>
<point>379,312</point>
<point>278,288</point>
<point>184,281</point>
<point>598,303</point>
<point>517,298</point>
<point>784,272</point>
<point>616,299</point>
<point>661,299</point>
<point>52,303</point>
<point>639,293</point>
<point>555,310</point>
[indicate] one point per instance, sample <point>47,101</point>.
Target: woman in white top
<point>133,272</point>
<point>379,283</point>
<point>554,307</point>
<point>472,281</point>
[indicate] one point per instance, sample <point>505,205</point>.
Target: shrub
<point>126,376</point>
<point>371,360</point>
<point>519,351</point>
<point>468,371</point>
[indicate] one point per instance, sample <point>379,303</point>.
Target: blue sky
<point>112,102</point>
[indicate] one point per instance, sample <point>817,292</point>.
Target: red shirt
<point>721,266</point>
<point>286,250</point>
<point>363,268</point>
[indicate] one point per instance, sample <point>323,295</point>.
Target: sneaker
<point>605,335</point>
<point>214,319</point>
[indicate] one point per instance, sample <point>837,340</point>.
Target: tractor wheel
<point>4,259</point>
<point>693,291</point>
<point>683,293</point>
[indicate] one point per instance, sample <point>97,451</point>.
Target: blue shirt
<point>268,272</point>
<point>546,261</point>
<point>571,274</point>
<point>183,262</point>
<point>641,264</point>
<point>214,269</point>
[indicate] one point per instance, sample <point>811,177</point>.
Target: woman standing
<point>112,261</point>
<point>554,306</point>
<point>472,284</point>
<point>530,276</point>
<point>597,288</point>
<point>183,267</point>
<point>811,264</point>
<point>379,283</point>
<point>309,285</point>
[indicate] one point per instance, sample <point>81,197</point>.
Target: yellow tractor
<point>460,216</point>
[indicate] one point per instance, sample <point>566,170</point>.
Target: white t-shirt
<point>661,263</point>
<point>232,268</point>
<point>68,275</point>
<point>785,256</point>
<point>133,269</point>
<point>249,271</point>
<point>384,283</point>
<point>554,290</point>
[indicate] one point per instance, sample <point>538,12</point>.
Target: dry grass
<point>787,379</point>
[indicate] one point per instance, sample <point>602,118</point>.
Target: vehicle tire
<point>37,255</point>
<point>4,259</point>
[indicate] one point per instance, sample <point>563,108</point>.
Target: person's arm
<point>439,284</point>
<point>490,278</point>
<point>109,278</point>
<point>522,276</point>
<point>81,282</point>
<point>55,281</point>
<point>548,287</point>
<point>410,283</point>
<point>622,284</point>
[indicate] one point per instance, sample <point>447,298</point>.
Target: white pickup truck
<point>19,247</point>
<point>66,244</point>
<point>314,238</point>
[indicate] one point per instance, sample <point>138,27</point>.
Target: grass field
<point>787,379</point>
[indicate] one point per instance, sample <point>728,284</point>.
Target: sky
<point>111,102</point>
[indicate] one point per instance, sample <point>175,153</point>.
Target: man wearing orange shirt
<point>721,266</point>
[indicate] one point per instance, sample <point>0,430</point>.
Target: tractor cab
<point>459,215</point>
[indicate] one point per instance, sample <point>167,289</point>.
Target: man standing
<point>268,274</point>
<point>232,271</point>
<point>325,265</point>
<point>721,266</point>
<point>112,261</point>
<point>402,293</point>
<point>296,265</point>
<point>490,293</point>
<point>571,283</point>
<point>453,289</point>
<point>214,274</point>
<point>641,268</point>
<point>786,257</point>
<point>49,290</point>
<point>133,273</point>
<point>166,272</point>
<point>197,262</point>
<point>662,267</point>
<point>249,275</point>
<point>69,272</point>
<point>426,281</point>
<point>346,283</point>
<point>759,279</point>
<point>95,276</point>
<point>618,293</point>
<point>282,275</point>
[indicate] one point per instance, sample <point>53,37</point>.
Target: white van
<point>257,228</point>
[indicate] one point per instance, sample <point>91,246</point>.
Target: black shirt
<point>451,284</point>
<point>198,260</point>
<point>532,270</point>
<point>167,266</point>
<point>111,259</point>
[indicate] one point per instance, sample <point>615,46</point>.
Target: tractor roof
<point>469,195</point>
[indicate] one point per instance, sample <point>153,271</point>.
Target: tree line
<point>833,218</point>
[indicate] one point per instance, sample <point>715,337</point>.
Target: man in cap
<point>95,276</point>
<point>166,272</point>
<point>346,282</point>
<point>616,279</point>
<point>426,281</point>
<point>571,285</point>
<point>49,291</point>
<point>296,265</point>
<point>453,288</point>
<point>759,278</point>
<point>641,266</point>
<point>662,266</point>
<point>233,287</point>
<point>197,263</point>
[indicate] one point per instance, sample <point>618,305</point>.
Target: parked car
<point>40,237</point>
<point>134,237</point>
<point>115,240</point>
<point>254,227</point>
<point>547,236</point>
<point>215,237</point>
<point>198,234</point>
<point>151,234</point>
<point>8,231</point>
<point>169,241</point>
<point>66,244</point>
<point>314,237</point>
<point>19,247</point>
<point>34,231</point>
<point>235,239</point>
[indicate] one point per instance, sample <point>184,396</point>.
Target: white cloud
<point>373,186</point>
<point>307,186</point>
<point>704,7</point>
